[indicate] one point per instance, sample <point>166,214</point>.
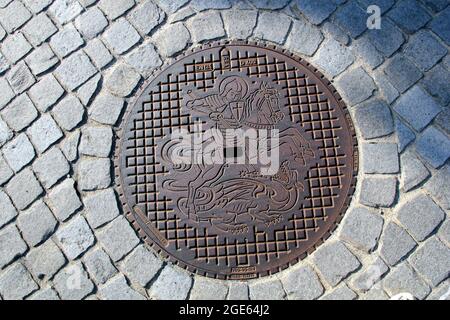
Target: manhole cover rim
<point>136,222</point>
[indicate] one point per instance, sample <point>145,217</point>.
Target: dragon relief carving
<point>233,197</point>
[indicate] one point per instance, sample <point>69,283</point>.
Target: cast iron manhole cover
<point>237,160</point>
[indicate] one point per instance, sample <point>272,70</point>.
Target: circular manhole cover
<point>237,160</point>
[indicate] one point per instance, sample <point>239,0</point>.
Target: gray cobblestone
<point>122,80</point>
<point>118,289</point>
<point>420,216</point>
<point>146,16</point>
<point>239,24</point>
<point>171,284</point>
<point>64,11</point>
<point>363,48</point>
<point>98,53</point>
<point>19,152</point>
<point>11,245</point>
<point>63,200</point>
<point>91,23</point>
<point>171,40</point>
<point>99,265</point>
<point>444,232</point>
<point>375,294</point>
<point>37,6</point>
<point>433,146</point>
<point>20,78</point>
<point>94,174</point>
<point>356,86</point>
<point>417,108</point>
<point>51,167</point>
<point>171,6</point>
<point>101,207</point>
<point>5,172</point>
<point>13,16</point>
<point>409,15</point>
<point>36,223</point>
<point>333,57</point>
<point>395,243</point>
<point>335,262</point>
<point>87,91</point>
<point>46,93</point>
<point>7,210</point>
<point>106,109</point>
<point>73,283</point>
<point>118,238</point>
<point>96,141</point>
<point>378,191</point>
<point>424,50</point>
<point>402,73</point>
<point>304,38</point>
<point>374,119</point>
<point>75,70</point>
<point>75,237</point>
<point>342,292</point>
<point>39,29</point>
<point>386,39</point>
<point>380,158</point>
<point>439,187</point>
<point>437,83</point>
<point>69,146</point>
<point>206,26</point>
<point>270,27</point>
<point>270,289</point>
<point>432,261</point>
<point>302,284</point>
<point>15,47</point>
<point>404,134</point>
<point>440,25</point>
<point>66,41</point>
<point>315,11</point>
<point>16,283</point>
<point>202,5</point>
<point>44,132</point>
<point>413,171</point>
<point>23,189</point>
<point>45,294</point>
<point>45,261</point>
<point>351,18</point>
<point>144,59</point>
<point>68,113</point>
<point>6,93</point>
<point>5,133</point>
<point>238,291</point>
<point>386,89</point>
<point>403,279</point>
<point>205,289</point>
<point>362,228</point>
<point>41,59</point>
<point>141,266</point>
<point>370,276</point>
<point>336,32</point>
<point>441,293</point>
<point>4,65</point>
<point>121,36</point>
<point>115,8</point>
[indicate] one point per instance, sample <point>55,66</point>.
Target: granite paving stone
<point>16,283</point>
<point>36,224</point>
<point>11,245</point>
<point>44,132</point>
<point>51,167</point>
<point>15,47</point>
<point>46,93</point>
<point>302,284</point>
<point>39,29</point>
<point>23,188</point>
<point>172,284</point>
<point>270,27</point>
<point>68,113</point>
<point>396,243</point>
<point>45,261</point>
<point>433,146</point>
<point>101,207</point>
<point>64,200</point>
<point>146,16</point>
<point>75,237</point>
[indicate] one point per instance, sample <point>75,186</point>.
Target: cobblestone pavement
<point>69,68</point>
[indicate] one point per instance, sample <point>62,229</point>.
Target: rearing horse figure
<point>234,106</point>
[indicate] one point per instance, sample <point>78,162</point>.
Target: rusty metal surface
<point>228,221</point>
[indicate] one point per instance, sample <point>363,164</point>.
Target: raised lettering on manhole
<point>237,160</point>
